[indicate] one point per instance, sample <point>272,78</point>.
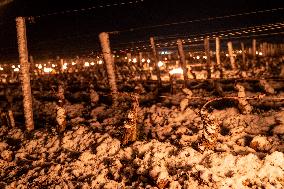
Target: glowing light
<point>87,64</point>
<point>16,69</point>
<point>53,65</point>
<point>19,66</point>
<point>160,63</point>
<point>227,55</point>
<point>1,68</point>
<point>39,66</point>
<point>165,59</point>
<point>47,70</point>
<point>13,66</point>
<point>64,67</point>
<point>134,60</point>
<point>125,58</point>
<point>176,71</point>
<point>260,53</point>
<point>100,62</point>
<point>256,52</point>
<point>164,52</point>
<point>148,61</point>
<point>65,64</point>
<point>197,57</point>
<point>92,63</point>
<point>73,63</point>
<point>205,57</point>
<point>143,60</point>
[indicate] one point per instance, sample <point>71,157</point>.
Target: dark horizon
<point>70,31</point>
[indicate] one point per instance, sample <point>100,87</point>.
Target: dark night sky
<point>74,31</point>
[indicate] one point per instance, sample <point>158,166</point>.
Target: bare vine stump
<point>231,55</point>
<point>282,71</point>
<point>266,86</point>
<point>173,81</point>
<point>130,125</point>
<point>211,129</point>
<point>60,110</point>
<point>60,93</point>
<point>61,117</point>
<point>25,74</point>
<point>105,44</point>
<point>94,96</point>
<point>11,118</point>
<point>4,120</point>
<point>182,60</point>
<point>10,98</point>
<point>185,102</point>
<point>243,105</point>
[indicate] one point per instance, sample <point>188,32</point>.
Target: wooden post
<point>264,49</point>
<point>25,74</point>
<point>245,66</point>
<point>61,65</point>
<point>254,49</point>
<point>231,55</point>
<point>218,52</point>
<point>128,57</point>
<point>140,58</point>
<point>169,57</point>
<point>207,52</point>
<point>182,61</point>
<point>156,61</point>
<point>104,39</point>
<point>140,64</point>
<point>274,47</point>
<point>32,67</point>
<point>250,51</point>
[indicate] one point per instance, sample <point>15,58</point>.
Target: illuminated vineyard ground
<point>168,105</point>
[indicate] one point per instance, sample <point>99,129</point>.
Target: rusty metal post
<point>208,59</point>
<point>231,55</point>
<point>105,44</point>
<point>156,61</point>
<point>182,61</point>
<point>25,74</point>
